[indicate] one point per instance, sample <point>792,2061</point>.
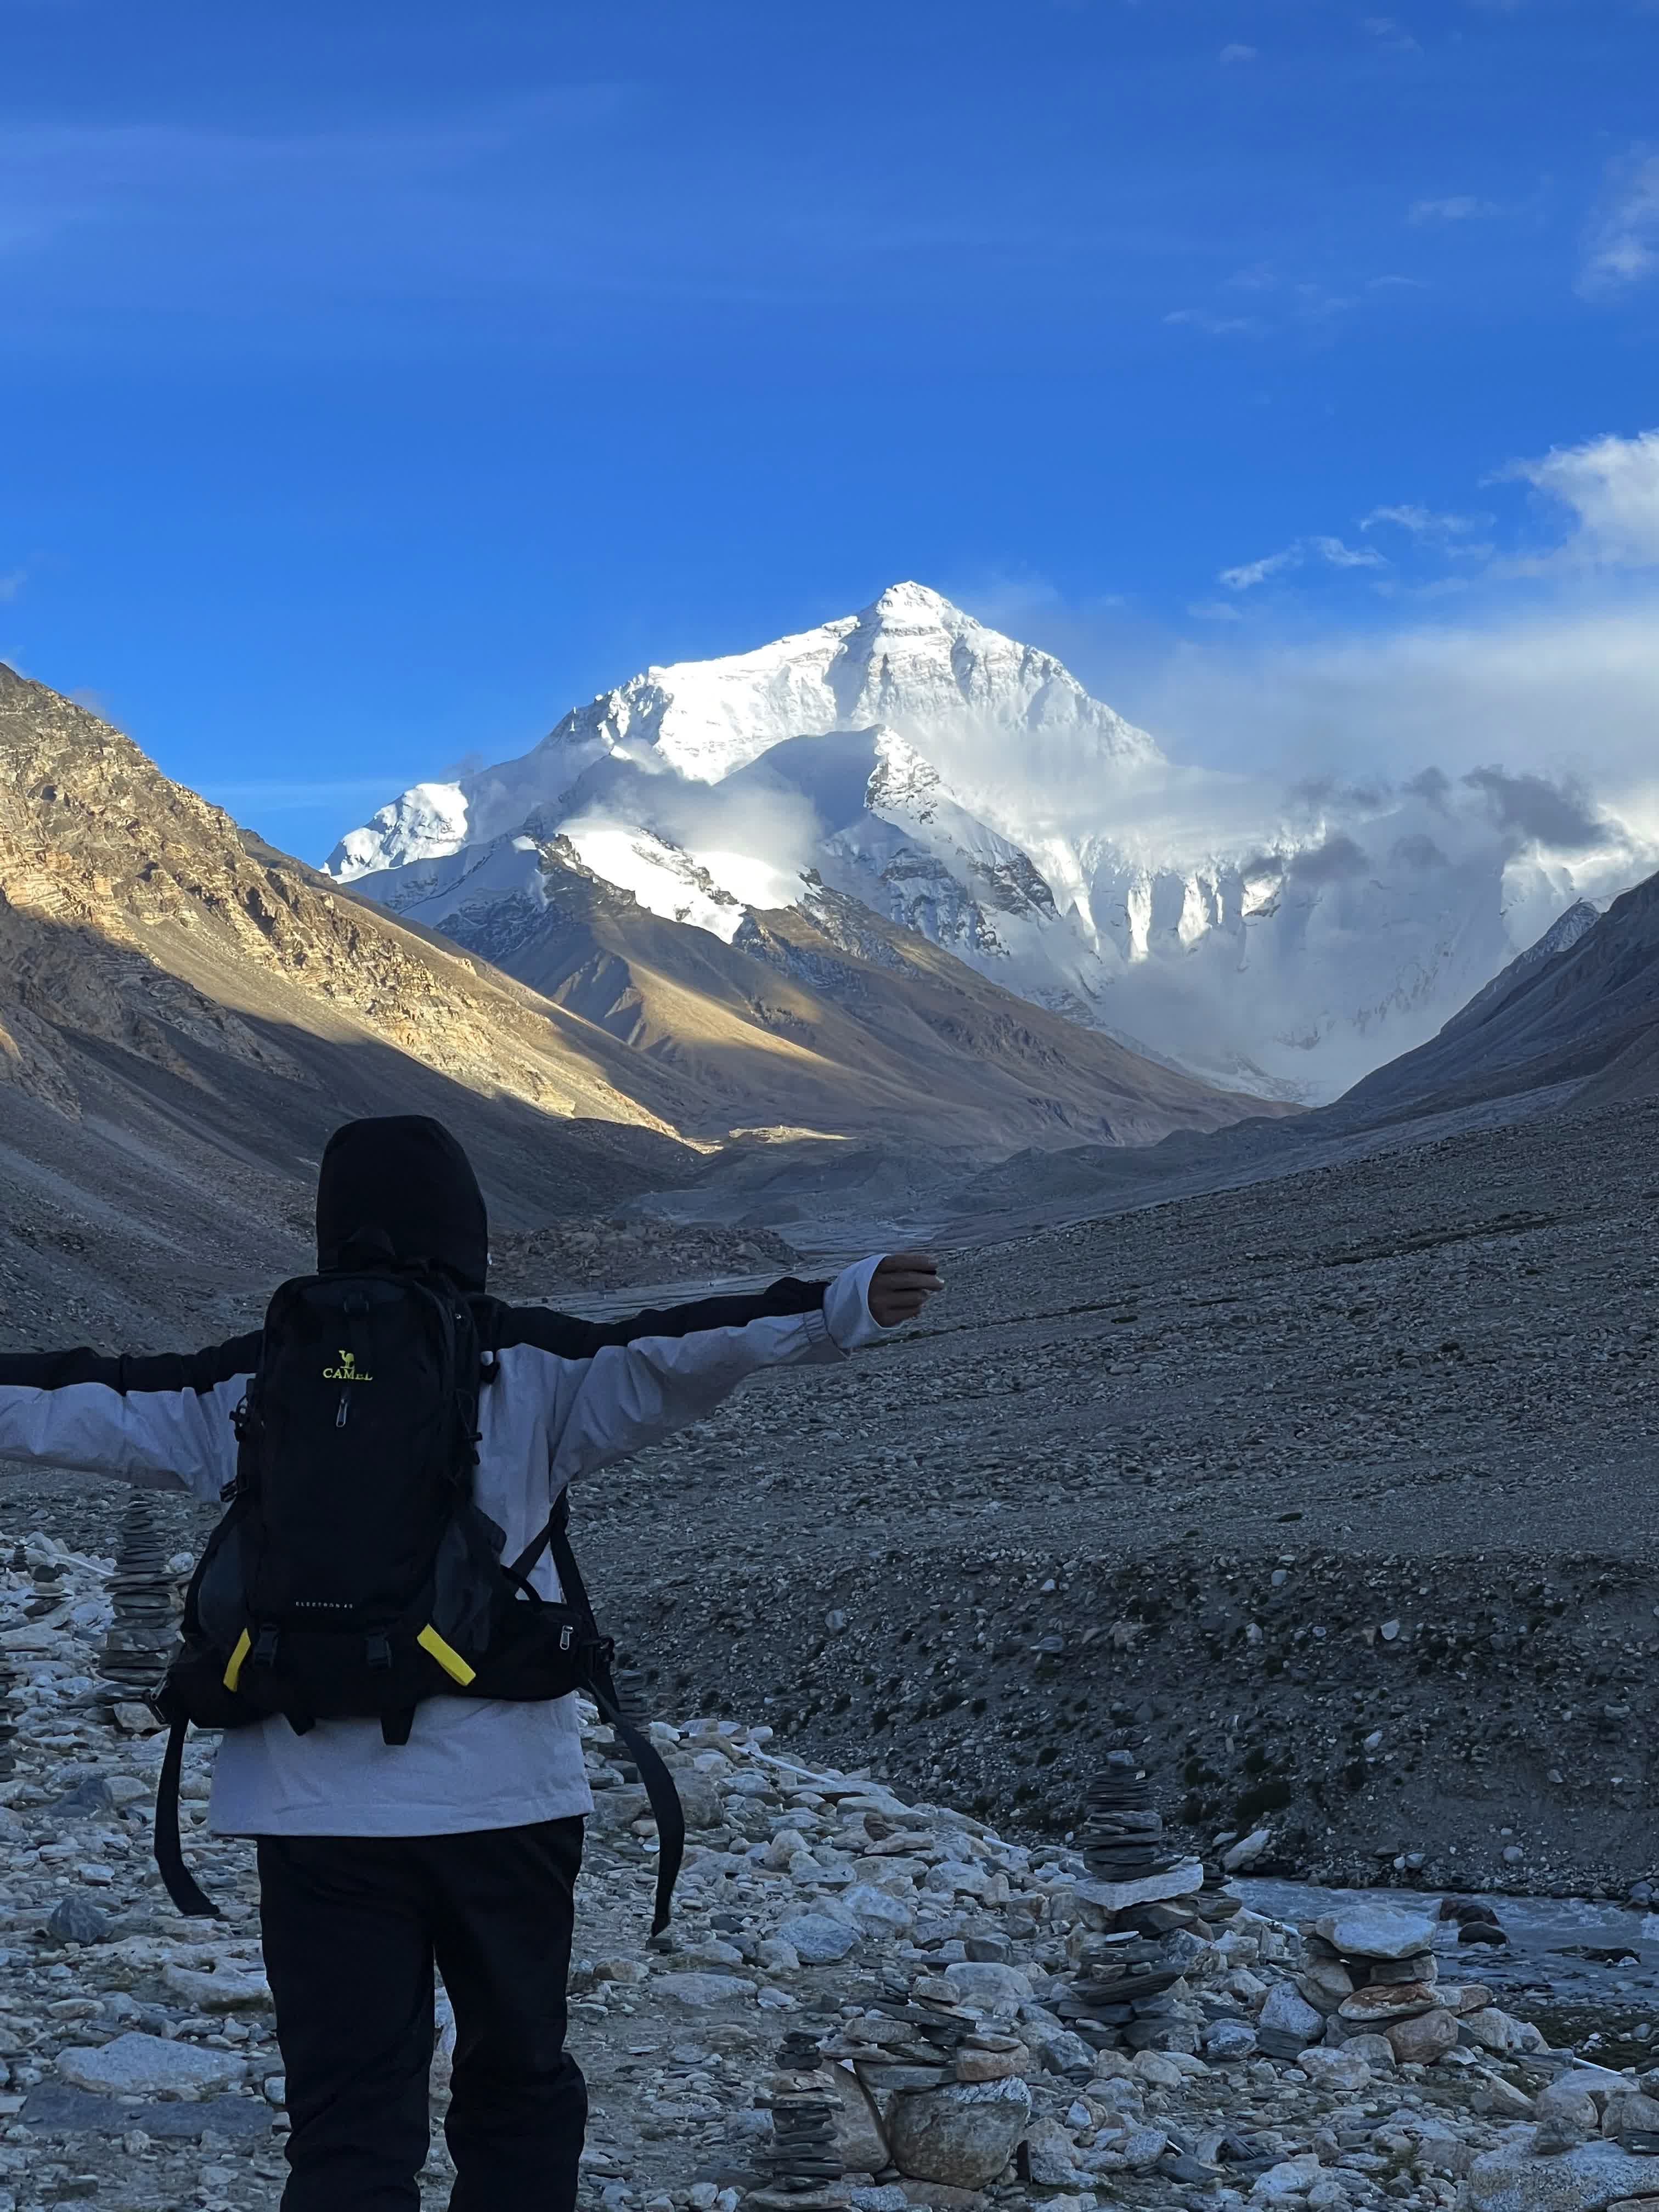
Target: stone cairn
<point>1145,1908</point>
<point>141,1632</point>
<point>805,2157</point>
<point>804,2136</point>
<point>910,2073</point>
<point>1370,1969</point>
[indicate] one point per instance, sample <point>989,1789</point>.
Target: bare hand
<point>901,1286</point>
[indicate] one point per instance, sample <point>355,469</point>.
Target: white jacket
<point>571,1396</point>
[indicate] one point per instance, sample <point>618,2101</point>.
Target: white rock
<point>1246,1850</point>
<point>962,2134</point>
<point>222,1990</point>
<point>136,2065</point>
<point>983,1984</point>
<point>819,1939</point>
<point>1334,2070</point>
<point>1376,1931</point>
<point>698,1992</point>
<point>1587,2179</point>
<point>876,1909</point>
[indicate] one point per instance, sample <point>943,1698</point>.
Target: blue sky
<point>380,380</point>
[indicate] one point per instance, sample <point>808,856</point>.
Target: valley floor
<point>1332,1496</point>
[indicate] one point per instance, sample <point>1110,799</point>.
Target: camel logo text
<point>347,1371</point>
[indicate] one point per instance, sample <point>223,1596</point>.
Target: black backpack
<point>353,1575</point>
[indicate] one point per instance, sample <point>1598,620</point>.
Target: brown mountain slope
<point>835,1021</point>
<point>184,1014</point>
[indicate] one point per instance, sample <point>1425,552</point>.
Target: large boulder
<point>136,2065</point>
<point>860,2137</point>
<point>1587,2179</point>
<point>1376,1931</point>
<point>962,2134</point>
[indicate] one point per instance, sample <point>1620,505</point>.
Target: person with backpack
<point>388,1624</point>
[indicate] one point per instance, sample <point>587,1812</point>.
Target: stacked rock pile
<point>804,2156</point>
<point>1150,1913</point>
<point>141,1631</point>
<point>1123,1834</point>
<point>927,2089</point>
<point>1370,1985</point>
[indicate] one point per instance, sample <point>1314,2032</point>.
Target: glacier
<point>969,787</point>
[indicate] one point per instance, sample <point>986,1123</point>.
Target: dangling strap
<point>665,1800</point>
<point>180,1883</point>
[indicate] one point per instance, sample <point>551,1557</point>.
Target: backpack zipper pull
<point>345,1407</point>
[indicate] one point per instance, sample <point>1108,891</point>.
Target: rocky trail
<point>878,2001</point>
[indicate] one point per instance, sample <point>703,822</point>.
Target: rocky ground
<point>605,1253</point>
<point>928,1971</point>
<point>1331,1497</point>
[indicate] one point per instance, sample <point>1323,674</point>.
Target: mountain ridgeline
<point>184,1014</point>
<point>967,789</point>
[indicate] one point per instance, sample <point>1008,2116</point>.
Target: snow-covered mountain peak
<point>910,662</point>
<point>968,788</point>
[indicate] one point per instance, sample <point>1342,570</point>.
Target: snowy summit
<point>969,787</point>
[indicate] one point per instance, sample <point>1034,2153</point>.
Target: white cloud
<point>1214,326</point>
<point>1622,247</point>
<point>12,583</point>
<point>1610,486</point>
<point>1460,207</point>
<point>1332,550</point>
<point>1346,557</point>
<point>1421,521</point>
<point>1390,33</point>
<point>1235,53</point>
<point>1566,691</point>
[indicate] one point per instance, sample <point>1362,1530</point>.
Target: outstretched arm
<point>572,1338</point>
<point>162,1422</point>
<point>631,1394</point>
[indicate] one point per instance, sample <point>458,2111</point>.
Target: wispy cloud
<point>1213,326</point>
<point>1460,206</point>
<point>1331,550</point>
<point>1455,534</point>
<point>1390,33</point>
<point>12,582</point>
<point>1235,53</point>
<point>1622,245</point>
<point>1610,488</point>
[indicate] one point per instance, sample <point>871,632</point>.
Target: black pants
<point>352,1927</point>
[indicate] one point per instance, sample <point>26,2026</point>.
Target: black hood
<point>405,1176</point>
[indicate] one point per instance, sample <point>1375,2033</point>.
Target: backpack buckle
<point>379,1653</point>
<point>263,1653</point>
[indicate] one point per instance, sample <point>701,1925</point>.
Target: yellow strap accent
<point>450,1660</point>
<point>234,1672</point>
